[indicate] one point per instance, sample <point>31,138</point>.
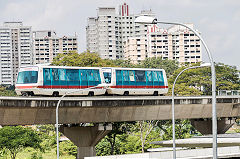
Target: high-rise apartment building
<point>135,49</point>
<point>107,32</point>
<point>15,50</point>
<point>47,46</point>
<point>175,43</point>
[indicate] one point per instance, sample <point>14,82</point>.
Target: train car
<point>135,81</point>
<point>58,80</point>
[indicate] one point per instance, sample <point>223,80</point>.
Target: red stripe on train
<point>84,87</point>
<point>25,87</point>
<point>59,87</point>
<point>139,86</point>
<point>69,87</point>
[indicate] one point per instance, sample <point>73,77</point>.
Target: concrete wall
<point>23,111</point>
<point>223,152</point>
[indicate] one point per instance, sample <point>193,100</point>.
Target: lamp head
<point>146,20</point>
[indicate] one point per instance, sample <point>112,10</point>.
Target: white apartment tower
<point>15,50</point>
<point>47,45</point>
<point>135,49</point>
<point>107,32</point>
<point>175,43</point>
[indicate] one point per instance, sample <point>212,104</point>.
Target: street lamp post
<point>173,106</point>
<point>58,104</point>
<point>151,20</point>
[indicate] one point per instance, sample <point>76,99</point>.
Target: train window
<point>62,75</point>
<point>160,76</point>
<point>107,77</point>
<point>47,74</point>
<point>118,75</point>
<point>90,75</point>
<point>155,76</point>
<point>72,75</point>
<point>27,77</point>
<point>131,75</point>
<point>149,76</point>
<point>140,76</point>
<point>96,75</point>
<point>83,75</point>
<point>125,75</point>
<point>55,74</point>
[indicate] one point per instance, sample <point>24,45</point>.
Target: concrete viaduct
<point>76,110</point>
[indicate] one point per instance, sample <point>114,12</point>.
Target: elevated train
<point>58,80</point>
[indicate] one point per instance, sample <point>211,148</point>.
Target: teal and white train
<point>58,80</point>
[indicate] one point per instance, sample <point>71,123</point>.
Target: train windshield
<point>27,77</point>
<point>107,73</point>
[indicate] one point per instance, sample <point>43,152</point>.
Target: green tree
<point>145,128</point>
<point>68,148</point>
<point>85,59</point>
<point>168,65</point>
<point>110,144</point>
<point>48,135</point>
<point>140,136</point>
<point>125,63</point>
<point>15,138</point>
<point>5,92</point>
<point>198,81</point>
<point>183,129</point>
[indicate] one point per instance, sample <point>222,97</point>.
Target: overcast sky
<point>217,20</point>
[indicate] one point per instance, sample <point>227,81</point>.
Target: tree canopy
<point>168,65</point>
<point>88,59</point>
<point>14,138</point>
<point>198,81</point>
<point>85,59</point>
<point>5,92</point>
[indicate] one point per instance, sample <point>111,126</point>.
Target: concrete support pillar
<point>85,138</point>
<point>85,152</point>
<point>205,126</point>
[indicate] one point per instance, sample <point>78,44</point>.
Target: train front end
<point>27,81</point>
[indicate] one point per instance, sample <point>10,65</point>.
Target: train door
<point>73,80</point>
<point>125,77</point>
<point>132,81</point>
<point>83,78</point>
<point>107,74</point>
<point>47,77</point>
<point>119,79</point>
<point>155,79</point>
<point>140,78</point>
<point>160,78</point>
<point>149,79</point>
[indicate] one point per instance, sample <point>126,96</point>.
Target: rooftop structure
<point>48,45</point>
